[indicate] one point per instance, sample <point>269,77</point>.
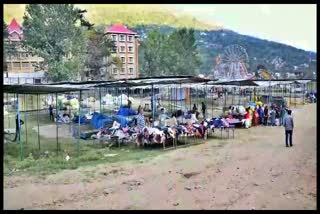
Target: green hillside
<point>130,15</point>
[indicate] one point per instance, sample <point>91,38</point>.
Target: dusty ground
<point>255,171</point>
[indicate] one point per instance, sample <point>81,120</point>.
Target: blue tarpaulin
<point>217,122</point>
<point>123,111</point>
<point>99,120</point>
<point>83,119</point>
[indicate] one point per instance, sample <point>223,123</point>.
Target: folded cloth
<point>225,122</point>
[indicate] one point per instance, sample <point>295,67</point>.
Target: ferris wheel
<point>233,63</point>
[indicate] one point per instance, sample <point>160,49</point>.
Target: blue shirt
<point>288,123</point>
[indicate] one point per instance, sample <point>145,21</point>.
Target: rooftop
<point>14,27</point>
<point>119,29</point>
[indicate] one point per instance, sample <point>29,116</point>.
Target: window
<point>123,59</point>
<point>114,37</point>
<point>114,48</point>
<point>16,64</point>
<point>115,71</point>
<point>123,71</point>
<point>122,37</point>
<point>25,64</point>
<point>130,38</point>
<point>37,81</point>
<point>122,48</point>
<point>131,59</point>
<point>130,70</point>
<point>130,49</point>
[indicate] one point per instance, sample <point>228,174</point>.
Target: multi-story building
<point>20,66</point>
<point>126,48</point>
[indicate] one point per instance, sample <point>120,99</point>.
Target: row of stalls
<point>104,112</point>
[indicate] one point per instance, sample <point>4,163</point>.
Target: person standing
<point>194,108</point>
<point>273,116</point>
<point>51,112</point>
<point>203,108</point>
<point>282,114</point>
<point>265,116</point>
<point>141,123</point>
<point>255,117</point>
<point>288,125</point>
<point>18,128</point>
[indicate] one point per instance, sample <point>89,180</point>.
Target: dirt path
<point>254,173</point>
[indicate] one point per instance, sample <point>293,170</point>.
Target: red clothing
<point>247,115</point>
<point>255,118</point>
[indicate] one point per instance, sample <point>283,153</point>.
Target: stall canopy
<point>39,89</point>
<point>256,83</point>
<point>143,82</point>
<point>146,82</point>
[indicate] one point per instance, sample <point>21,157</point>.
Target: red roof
<point>119,29</point>
<point>14,26</point>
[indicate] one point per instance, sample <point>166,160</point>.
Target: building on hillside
<point>126,47</point>
<point>20,66</point>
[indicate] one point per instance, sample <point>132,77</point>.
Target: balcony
<point>24,59</point>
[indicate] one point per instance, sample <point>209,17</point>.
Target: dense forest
<point>274,56</point>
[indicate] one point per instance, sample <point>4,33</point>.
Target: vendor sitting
<point>179,115</point>
<point>194,117</point>
<point>162,118</point>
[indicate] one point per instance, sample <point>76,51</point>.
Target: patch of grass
<point>47,161</point>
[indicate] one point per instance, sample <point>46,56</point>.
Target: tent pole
<point>19,127</point>
<point>225,97</point>
<point>239,93</point>
<point>57,123</point>
<point>176,98</point>
<point>99,99</point>
<point>8,112</point>
<point>128,100</point>
<point>233,92</point>
<point>269,92</point>
<point>25,117</point>
<point>121,96</point>
<point>78,143</point>
<point>212,103</point>
<point>152,105</point>
<point>290,86</point>
<point>303,92</point>
<point>181,96</point>
<point>190,98</point>
<point>205,100</point>
<point>38,121</point>
<point>294,94</point>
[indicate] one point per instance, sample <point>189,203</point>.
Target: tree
<point>184,51</point>
<point>55,32</point>
<point>153,49</point>
<point>9,49</point>
<point>173,54</point>
<point>99,47</point>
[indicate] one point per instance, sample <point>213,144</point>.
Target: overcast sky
<point>291,24</point>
